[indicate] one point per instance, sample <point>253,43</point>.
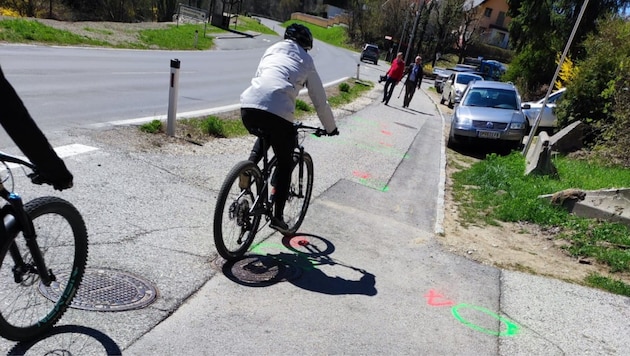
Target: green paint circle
<point>512,328</point>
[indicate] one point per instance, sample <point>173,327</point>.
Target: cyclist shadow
<point>303,267</point>
<point>68,340</point>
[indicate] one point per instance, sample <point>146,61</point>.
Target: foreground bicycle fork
<point>15,208</point>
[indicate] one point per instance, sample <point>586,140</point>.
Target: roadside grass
<point>25,31</point>
<point>245,24</point>
<point>496,189</point>
<point>335,35</point>
<point>229,125</point>
<point>177,37</point>
<point>173,37</point>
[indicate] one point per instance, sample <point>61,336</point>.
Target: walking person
<point>394,75</point>
<point>268,106</point>
<point>414,79</point>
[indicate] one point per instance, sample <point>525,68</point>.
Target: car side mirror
<point>526,106</point>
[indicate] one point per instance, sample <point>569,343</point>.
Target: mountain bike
<point>246,197</point>
<point>43,254</point>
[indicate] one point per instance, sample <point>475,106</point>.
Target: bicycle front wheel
<point>300,191</point>
<point>236,219</point>
<point>27,307</point>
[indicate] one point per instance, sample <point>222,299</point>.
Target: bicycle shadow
<point>300,260</point>
<point>68,340</point>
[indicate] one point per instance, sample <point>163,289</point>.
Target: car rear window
<point>492,98</point>
<point>465,79</point>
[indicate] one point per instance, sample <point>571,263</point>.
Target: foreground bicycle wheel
<point>25,312</point>
<point>299,194</point>
<point>234,225</point>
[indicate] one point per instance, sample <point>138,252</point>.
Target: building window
<point>487,12</point>
<point>501,18</point>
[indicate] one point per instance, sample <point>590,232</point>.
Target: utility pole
<point>413,32</point>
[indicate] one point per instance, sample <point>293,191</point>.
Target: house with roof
<point>492,21</point>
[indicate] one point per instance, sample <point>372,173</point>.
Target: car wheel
<point>442,100</point>
<point>375,62</point>
<point>450,103</point>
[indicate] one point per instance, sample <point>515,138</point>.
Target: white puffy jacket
<point>284,69</point>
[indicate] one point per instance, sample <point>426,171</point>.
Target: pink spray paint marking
<point>298,241</point>
<point>437,300</point>
<point>362,175</point>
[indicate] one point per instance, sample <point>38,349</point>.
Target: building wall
<point>493,22</point>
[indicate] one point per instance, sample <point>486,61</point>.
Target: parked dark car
<point>370,53</point>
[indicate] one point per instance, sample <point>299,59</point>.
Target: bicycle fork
<point>24,224</point>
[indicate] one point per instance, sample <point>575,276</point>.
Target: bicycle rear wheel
<point>25,312</point>
<point>234,223</point>
<point>299,196</point>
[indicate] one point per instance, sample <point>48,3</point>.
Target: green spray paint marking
<point>512,328</point>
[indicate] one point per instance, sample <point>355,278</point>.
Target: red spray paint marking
<point>386,144</point>
<point>385,132</point>
<point>298,241</point>
<point>437,299</point>
<point>362,175</point>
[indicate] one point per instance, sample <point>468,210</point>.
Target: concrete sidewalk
<point>365,275</point>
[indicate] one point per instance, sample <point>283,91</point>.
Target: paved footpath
<point>365,275</point>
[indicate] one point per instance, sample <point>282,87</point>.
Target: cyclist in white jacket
<point>268,105</point>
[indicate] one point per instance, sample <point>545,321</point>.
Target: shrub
<point>152,127</point>
<point>344,87</point>
<point>302,106</point>
<point>213,126</point>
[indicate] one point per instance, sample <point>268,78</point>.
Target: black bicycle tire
<point>35,209</point>
<point>309,170</point>
<point>221,205</point>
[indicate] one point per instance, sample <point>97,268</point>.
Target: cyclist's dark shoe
<point>279,225</point>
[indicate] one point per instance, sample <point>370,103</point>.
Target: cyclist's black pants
<point>281,135</point>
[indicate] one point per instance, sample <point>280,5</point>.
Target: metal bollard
<point>172,98</point>
<point>196,37</point>
<point>358,66</point>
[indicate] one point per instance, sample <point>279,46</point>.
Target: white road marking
<point>62,151</point>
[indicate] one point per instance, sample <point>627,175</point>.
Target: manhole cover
<point>258,270</point>
<point>106,290</point>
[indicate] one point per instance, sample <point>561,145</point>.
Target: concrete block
<point>569,139</point>
<point>538,160</point>
<point>607,204</point>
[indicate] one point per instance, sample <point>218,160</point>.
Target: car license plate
<point>489,134</point>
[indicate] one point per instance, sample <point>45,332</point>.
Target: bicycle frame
<point>265,206</point>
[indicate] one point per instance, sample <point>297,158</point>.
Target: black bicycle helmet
<point>300,34</point>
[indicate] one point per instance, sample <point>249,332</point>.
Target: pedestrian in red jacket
<point>394,75</point>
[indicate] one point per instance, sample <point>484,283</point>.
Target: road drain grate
<point>105,290</point>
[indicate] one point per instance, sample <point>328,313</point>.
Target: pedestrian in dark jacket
<point>414,79</point>
<point>394,75</point>
<point>18,123</point>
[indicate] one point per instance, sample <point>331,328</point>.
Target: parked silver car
<point>454,87</point>
<point>489,110</point>
<point>548,119</point>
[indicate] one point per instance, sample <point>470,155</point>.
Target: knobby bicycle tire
<point>25,310</point>
<point>297,202</point>
<point>234,226</point>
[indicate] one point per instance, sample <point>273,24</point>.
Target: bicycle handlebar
<point>317,131</point>
<point>34,176</point>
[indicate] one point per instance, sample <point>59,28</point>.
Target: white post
<point>172,98</point>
